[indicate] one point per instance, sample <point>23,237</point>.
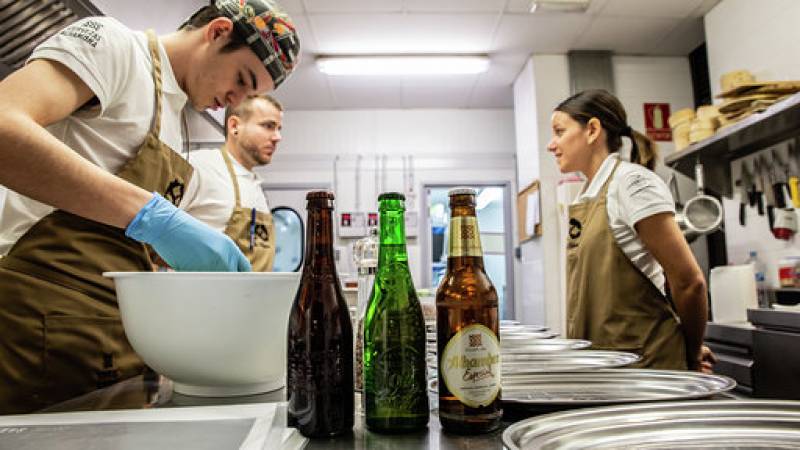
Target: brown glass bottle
<point>467,328</point>
<point>319,386</point>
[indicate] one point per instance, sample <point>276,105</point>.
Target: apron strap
<point>232,173</point>
<point>152,42</point>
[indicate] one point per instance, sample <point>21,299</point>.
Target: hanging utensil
<point>780,186</point>
<point>703,212</point>
<point>794,172</point>
<point>758,186</point>
<point>769,196</point>
<point>746,196</point>
<point>689,234</point>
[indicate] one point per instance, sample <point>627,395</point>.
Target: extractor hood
<point>24,24</point>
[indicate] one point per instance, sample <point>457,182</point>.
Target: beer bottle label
<point>464,237</point>
<point>470,365</point>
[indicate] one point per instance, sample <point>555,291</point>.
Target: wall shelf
<point>757,132</point>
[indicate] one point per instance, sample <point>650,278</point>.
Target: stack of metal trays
<point>529,342</point>
<point>526,394</point>
<point>730,424</point>
<point>520,338</point>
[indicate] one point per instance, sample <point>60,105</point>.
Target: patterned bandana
<point>268,31</point>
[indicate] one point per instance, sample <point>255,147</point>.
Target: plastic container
<point>733,291</point>
<point>789,272</point>
<point>760,272</point>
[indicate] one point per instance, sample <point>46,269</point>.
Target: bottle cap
<point>461,191</point>
<point>391,196</point>
<point>322,195</point>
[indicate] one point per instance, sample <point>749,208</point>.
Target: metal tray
<point>566,361</point>
<point>513,336</point>
<point>519,365</point>
<point>544,346</point>
<point>523,337</point>
<point>727,424</point>
<point>534,347</point>
<point>522,327</point>
<point>530,394</point>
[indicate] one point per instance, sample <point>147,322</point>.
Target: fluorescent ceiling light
<point>400,65</point>
<point>559,5</point>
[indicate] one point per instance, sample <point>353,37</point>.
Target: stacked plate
<point>516,365</point>
<point>675,425</point>
<point>528,394</point>
<point>521,339</point>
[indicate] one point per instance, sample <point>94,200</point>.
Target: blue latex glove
<point>185,243</point>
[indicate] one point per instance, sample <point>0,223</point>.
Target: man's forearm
<point>37,165</point>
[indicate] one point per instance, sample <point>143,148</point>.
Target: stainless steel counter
<point>152,391</point>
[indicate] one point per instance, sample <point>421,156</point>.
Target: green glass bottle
<point>395,391</point>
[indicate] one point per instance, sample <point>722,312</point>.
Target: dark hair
<point>601,104</point>
<point>245,108</point>
<point>206,14</point>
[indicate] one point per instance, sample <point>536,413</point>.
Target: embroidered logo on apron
<point>575,228</point>
<point>174,192</point>
<point>262,232</point>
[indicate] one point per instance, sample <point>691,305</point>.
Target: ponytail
<point>643,150</point>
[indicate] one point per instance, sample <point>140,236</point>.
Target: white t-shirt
<point>634,193</point>
<point>210,195</point>
<point>115,64</point>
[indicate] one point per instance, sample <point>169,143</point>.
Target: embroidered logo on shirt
<point>575,228</point>
<point>86,31</point>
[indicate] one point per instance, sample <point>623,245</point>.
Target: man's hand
<point>184,242</point>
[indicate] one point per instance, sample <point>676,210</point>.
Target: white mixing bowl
<point>212,333</point>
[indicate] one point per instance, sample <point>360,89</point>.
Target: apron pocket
<point>84,353</point>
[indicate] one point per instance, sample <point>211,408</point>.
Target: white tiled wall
<point>448,146</point>
<point>542,84</point>
<point>764,38</point>
<point>755,235</point>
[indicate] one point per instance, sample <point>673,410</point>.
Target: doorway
<point>493,208</point>
<point>288,205</point>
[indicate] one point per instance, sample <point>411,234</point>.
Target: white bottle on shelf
<point>760,271</point>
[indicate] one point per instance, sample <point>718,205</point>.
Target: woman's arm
<point>664,240</point>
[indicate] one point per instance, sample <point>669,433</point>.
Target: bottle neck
<point>464,241</point>
<point>319,240</point>
<point>392,247</point>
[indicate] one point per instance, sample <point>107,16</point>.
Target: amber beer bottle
<point>319,386</point>
<point>467,329</point>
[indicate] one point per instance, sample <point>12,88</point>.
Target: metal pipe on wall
<point>377,186</point>
<point>358,182</point>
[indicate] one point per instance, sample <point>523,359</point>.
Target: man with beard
<point>225,193</point>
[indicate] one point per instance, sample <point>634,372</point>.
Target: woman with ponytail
<point>633,284</point>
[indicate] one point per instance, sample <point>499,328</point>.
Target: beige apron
<point>609,300</point>
<point>61,331</point>
<point>255,236</point>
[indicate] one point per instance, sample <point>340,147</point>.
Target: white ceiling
<point>503,29</point>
